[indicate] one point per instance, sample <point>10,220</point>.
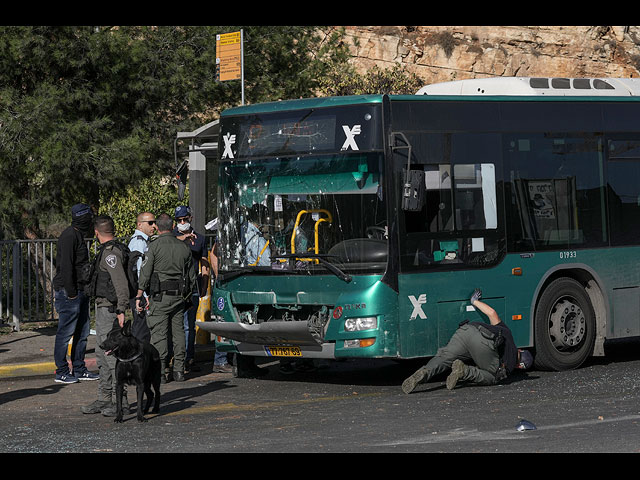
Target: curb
<point>17,370</point>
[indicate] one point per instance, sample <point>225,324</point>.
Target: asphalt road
<point>349,406</point>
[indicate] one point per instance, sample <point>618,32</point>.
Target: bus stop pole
<point>242,62</point>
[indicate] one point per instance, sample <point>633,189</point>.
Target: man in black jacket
<point>72,305</point>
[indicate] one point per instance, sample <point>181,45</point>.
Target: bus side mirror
<point>414,190</point>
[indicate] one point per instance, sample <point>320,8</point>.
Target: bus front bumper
<point>295,338</point>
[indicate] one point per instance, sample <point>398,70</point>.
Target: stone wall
<point>445,53</point>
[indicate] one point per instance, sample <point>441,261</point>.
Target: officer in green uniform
<point>478,353</point>
<point>168,276</point>
<point>110,287</point>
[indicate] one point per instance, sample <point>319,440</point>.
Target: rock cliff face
<point>445,53</point>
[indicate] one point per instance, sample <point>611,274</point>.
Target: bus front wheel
<point>565,327</point>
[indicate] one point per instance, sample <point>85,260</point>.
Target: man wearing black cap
<point>72,305</point>
<point>477,353</point>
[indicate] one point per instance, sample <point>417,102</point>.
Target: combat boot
<point>96,407</point>
<point>458,369</point>
<point>412,382</point>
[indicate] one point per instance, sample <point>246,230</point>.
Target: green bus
<point>359,226</point>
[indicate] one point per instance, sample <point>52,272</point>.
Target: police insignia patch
<point>111,261</point>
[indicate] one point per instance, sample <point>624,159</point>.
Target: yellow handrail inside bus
<point>315,228</point>
<point>260,254</point>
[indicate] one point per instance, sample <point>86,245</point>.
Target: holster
<point>497,339</point>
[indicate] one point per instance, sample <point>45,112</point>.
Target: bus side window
<point>624,194</point>
<point>558,191</point>
<point>475,196</point>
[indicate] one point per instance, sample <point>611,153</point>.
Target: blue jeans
<point>190,327</point>
<point>73,322</point>
<point>220,358</point>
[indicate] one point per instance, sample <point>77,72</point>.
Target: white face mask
<point>184,227</point>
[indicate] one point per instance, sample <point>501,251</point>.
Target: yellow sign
<point>229,56</point>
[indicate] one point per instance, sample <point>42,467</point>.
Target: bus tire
<point>565,327</point>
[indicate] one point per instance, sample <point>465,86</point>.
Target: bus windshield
<point>303,213</point>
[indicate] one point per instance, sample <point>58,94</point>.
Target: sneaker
<point>457,372</point>
<point>65,378</point>
<point>226,368</point>
<point>412,382</point>
<point>96,407</point>
<point>87,375</point>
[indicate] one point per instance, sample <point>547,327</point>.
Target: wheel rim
<point>567,325</point>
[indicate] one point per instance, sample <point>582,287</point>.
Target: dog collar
<point>130,359</point>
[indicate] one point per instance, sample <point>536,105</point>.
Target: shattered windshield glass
<point>303,214</point>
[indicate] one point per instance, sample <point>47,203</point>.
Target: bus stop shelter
<point>201,148</point>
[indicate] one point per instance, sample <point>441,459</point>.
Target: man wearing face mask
<point>71,302</point>
<point>198,245</point>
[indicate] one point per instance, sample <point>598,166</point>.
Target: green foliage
<point>85,112</point>
<point>395,80</point>
<point>151,194</point>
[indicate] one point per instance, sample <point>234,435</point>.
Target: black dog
<point>137,363</point>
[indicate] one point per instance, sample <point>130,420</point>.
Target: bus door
<point>450,235</point>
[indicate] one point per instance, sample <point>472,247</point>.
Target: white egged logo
<point>351,133</point>
<point>417,306</point>
<point>229,140</point>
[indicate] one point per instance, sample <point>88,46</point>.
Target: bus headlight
<point>360,323</point>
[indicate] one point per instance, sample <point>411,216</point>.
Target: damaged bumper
<point>260,339</point>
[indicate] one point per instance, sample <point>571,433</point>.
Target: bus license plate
<point>283,351</point>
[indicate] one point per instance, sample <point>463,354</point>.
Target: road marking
<point>460,434</point>
<point>227,407</point>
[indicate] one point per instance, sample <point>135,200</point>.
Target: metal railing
<point>26,274</point>
<point>27,268</point>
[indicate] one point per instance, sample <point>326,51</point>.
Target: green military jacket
<point>112,263</point>
<point>170,259</point>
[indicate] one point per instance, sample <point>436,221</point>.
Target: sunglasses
<point>150,222</point>
<point>182,220</point>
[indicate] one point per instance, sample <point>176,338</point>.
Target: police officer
<point>168,276</point>
<point>197,244</point>
<point>477,353</point>
<point>110,287</point>
<point>145,228</point>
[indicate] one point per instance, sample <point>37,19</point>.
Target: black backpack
<point>131,267</point>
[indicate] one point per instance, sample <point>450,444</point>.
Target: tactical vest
<point>101,285</point>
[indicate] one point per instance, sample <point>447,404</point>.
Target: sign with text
<point>229,56</point>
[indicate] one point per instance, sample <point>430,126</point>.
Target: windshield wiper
<point>225,277</point>
<point>328,265</point>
